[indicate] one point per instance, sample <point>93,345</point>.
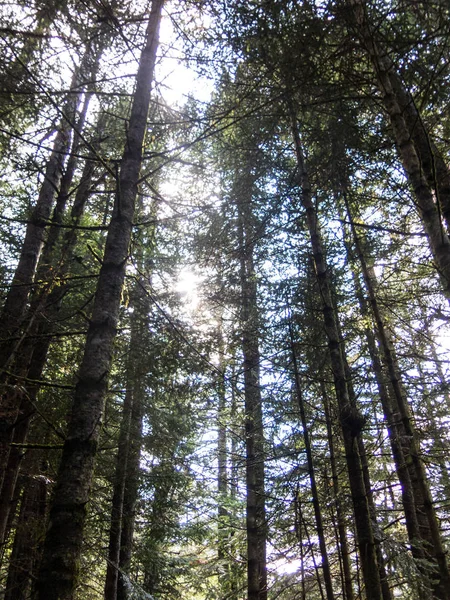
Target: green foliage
<point>268,60</point>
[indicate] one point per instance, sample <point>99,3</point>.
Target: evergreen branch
<point>386,229</point>
<point>38,446</point>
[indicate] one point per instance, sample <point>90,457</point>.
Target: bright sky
<point>177,81</point>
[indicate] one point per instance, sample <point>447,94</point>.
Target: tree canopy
<point>225,281</point>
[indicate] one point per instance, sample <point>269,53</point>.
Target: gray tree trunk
<point>422,523</point>
<point>349,417</point>
<point>410,145</point>
<point>60,565</point>
<point>254,434</point>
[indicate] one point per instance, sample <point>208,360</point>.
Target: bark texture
<point>420,163</point>
<point>421,520</point>
<point>254,434</point>
<point>349,417</point>
<point>60,565</point>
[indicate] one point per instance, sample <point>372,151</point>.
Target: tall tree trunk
<point>130,495</point>
<point>59,570</point>
<point>395,437</point>
<point>130,437</point>
<point>223,513</point>
<point>409,143</point>
<point>350,419</point>
<point>342,530</point>
<point>385,587</point>
<point>236,572</point>
<point>254,434</point>
<point>311,470</point>
<point>415,489</point>
<point>26,551</point>
<point>115,530</point>
<point>14,325</point>
<point>37,336</point>
<point>16,300</point>
<point>431,160</point>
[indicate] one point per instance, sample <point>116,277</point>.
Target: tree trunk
<point>37,336</point>
<point>115,530</point>
<point>31,360</point>
<point>28,535</point>
<point>130,495</point>
<point>17,297</point>
<point>16,399</point>
<point>60,565</point>
<point>16,300</point>
<point>400,110</point>
<point>254,434</point>
<point>421,520</point>
<point>223,529</point>
<point>342,530</point>
<point>311,471</point>
<point>127,464</point>
<point>350,419</point>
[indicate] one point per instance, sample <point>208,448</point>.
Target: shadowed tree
<point>59,569</point>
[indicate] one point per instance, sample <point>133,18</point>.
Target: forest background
<point>225,270</point>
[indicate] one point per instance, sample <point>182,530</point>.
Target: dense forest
<point>225,286</point>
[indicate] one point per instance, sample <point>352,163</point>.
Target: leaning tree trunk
<point>385,587</point>
<point>29,363</point>
<point>411,153</point>
<point>14,323</point>
<point>401,465</point>
<point>60,565</point>
<point>431,159</point>
<point>414,482</point>
<point>350,419</point>
<point>432,162</point>
<point>17,297</point>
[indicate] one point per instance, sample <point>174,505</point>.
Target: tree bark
<point>349,417</point>
<point>14,322</point>
<point>224,533</point>
<point>26,551</point>
<point>421,520</point>
<point>60,565</point>
<point>400,110</point>
<point>130,495</point>
<point>311,471</point>
<point>16,300</point>
<point>29,363</point>
<point>127,463</point>
<point>254,434</point>
<point>347,587</point>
